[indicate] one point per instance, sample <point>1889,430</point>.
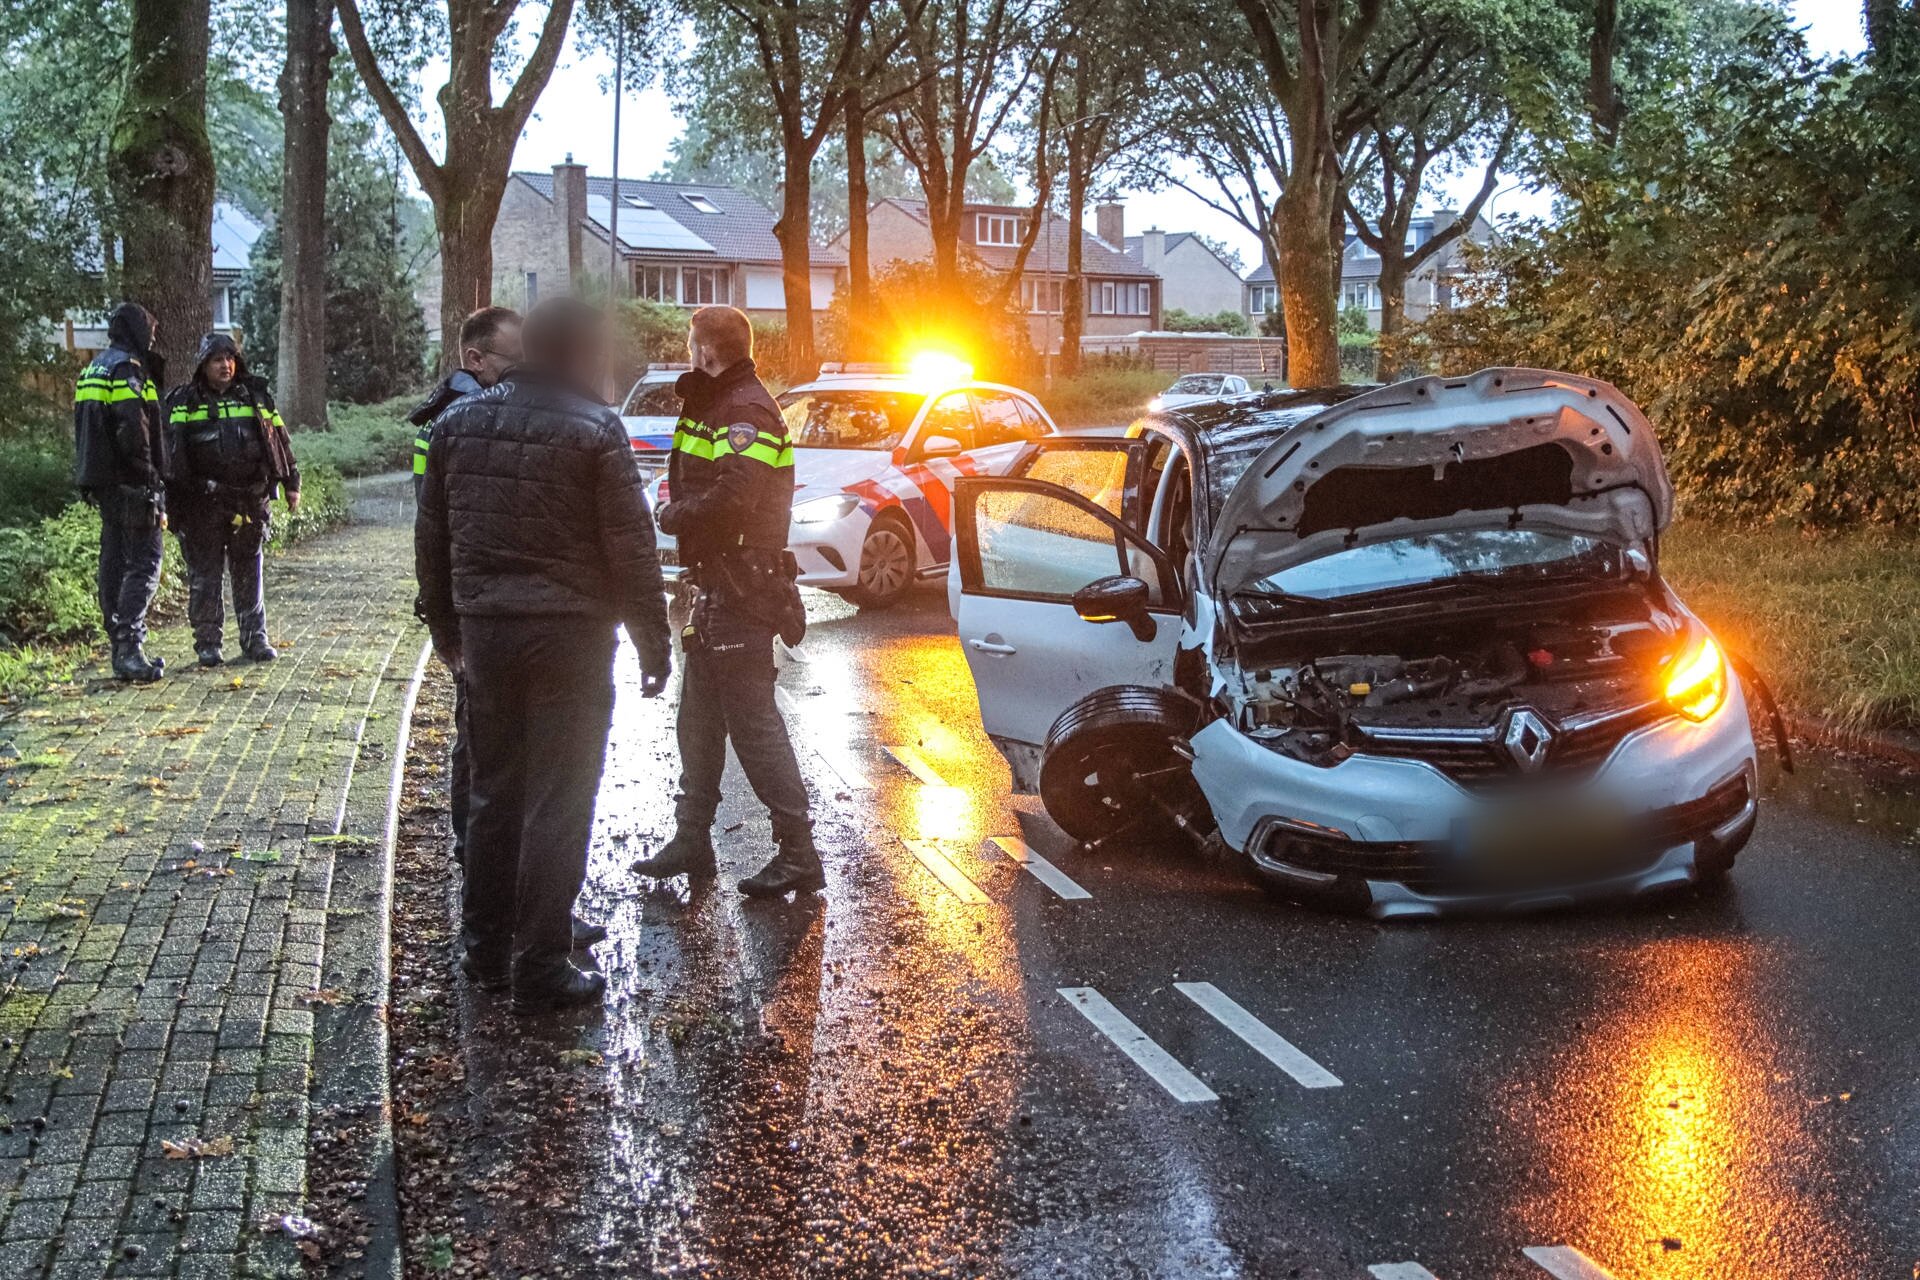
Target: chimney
<point>1110,223</point>
<point>570,209</point>
<point>1153,247</point>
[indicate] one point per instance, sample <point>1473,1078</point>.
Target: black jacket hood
<point>215,344</point>
<point>130,328</point>
<point>698,387</point>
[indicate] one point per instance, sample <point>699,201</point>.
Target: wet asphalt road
<point>889,1081</point>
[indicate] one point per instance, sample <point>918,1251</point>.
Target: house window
<point>638,203</point>
<point>997,228</point>
<point>222,306</point>
<point>700,202</point>
<point>1364,294</point>
<point>705,286</point>
<point>687,286</point>
<point>1262,298</point>
<point>533,287</point>
<point>1042,296</point>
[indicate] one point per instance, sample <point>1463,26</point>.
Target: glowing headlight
<point>822,510</point>
<point>1156,404</point>
<point>1697,682</point>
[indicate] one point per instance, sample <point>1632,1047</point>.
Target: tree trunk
<point>943,224</point>
<point>1073,298</point>
<point>1393,316</point>
<point>1307,266</point>
<point>859,267</point>
<point>464,220</point>
<point>1603,95</point>
<point>794,230</point>
<point>301,381</point>
<point>160,165</point>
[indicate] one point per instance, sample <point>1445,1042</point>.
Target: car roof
<point>898,382</point>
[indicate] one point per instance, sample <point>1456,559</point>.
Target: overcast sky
<point>576,115</point>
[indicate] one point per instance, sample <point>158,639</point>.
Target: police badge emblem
<point>740,435</point>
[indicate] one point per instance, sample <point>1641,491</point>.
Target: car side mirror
<point>1121,598</point>
<point>939,447</point>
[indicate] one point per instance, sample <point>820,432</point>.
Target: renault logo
<point>1527,739</point>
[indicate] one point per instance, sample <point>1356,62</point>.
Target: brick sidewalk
<point>165,877</point>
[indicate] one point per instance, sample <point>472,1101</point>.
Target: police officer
<point>489,347</point>
<point>228,453</point>
<point>119,459</point>
<point>730,482</point>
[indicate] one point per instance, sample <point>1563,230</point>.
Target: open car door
<point>1025,549</point>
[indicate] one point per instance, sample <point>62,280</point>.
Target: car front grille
<point>1476,758</point>
<point>1436,867</point>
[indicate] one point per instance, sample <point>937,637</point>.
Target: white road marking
<point>1043,871</point>
<point>829,751</point>
<point>1400,1271</point>
<point>942,866</point>
<point>1138,1045</point>
<point>1565,1262</point>
<point>1258,1035</point>
<point>911,761</point>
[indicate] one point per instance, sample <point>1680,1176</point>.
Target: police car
<point>877,450</point>
<point>649,413</point>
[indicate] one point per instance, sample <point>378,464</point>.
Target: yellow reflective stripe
<point>695,446</point>
<point>768,454</point>
<point>111,395</point>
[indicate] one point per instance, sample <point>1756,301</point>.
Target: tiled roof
<point>741,232</point>
<point>1136,250</point>
<point>1049,256</point>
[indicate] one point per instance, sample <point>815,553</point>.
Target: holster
<point>139,508</point>
<point>755,586</point>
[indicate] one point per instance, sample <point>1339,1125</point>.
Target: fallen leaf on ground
<point>197,1148</point>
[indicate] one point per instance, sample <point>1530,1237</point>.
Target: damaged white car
<point>1406,649</point>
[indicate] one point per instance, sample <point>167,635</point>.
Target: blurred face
<point>489,362</point>
<point>220,368</point>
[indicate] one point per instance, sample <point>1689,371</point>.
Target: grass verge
<point>1832,621</point>
<point>1103,397</point>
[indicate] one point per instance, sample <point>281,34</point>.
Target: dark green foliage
<point>376,339</point>
<point>1746,265</point>
<point>1174,320</point>
<point>361,439</point>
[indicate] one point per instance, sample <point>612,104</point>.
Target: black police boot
<point>688,853</point>
<point>795,869</point>
<point>256,647</point>
<point>560,988</point>
<point>586,932</point>
<point>130,662</point>
<point>483,976</point>
<point>209,654</point>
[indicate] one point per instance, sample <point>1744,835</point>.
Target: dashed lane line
<point>829,752</point>
<point>1400,1271</point>
<point>911,760</point>
<point>1138,1045</point>
<point>1045,872</point>
<point>944,869</point>
<point>1564,1262</point>
<point>1260,1037</point>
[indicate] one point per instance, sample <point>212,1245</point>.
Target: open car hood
<point>1504,448</point>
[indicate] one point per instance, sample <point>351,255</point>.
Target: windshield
<point>652,400</point>
<point>849,419</point>
<point>1519,555</point>
<point>1197,384</point>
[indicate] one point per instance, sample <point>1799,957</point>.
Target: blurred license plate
<point>1521,842</point>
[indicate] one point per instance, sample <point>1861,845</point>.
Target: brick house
<point>693,244</point>
<point>1195,279</point>
<point>1429,289</point>
<point>1121,295</point>
<point>234,233</point>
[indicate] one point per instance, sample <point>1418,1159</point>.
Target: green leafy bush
<point>1102,396</point>
<point>360,439</point>
<point>36,480</point>
<point>1177,321</point>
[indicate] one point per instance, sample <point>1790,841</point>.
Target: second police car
<point>877,450</point>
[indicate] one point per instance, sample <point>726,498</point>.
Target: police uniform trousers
<point>726,694</point>
<point>223,538</point>
<point>130,550</point>
<point>539,705</point>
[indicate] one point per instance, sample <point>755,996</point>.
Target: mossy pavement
<point>168,858</point>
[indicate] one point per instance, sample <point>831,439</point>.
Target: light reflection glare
<point>944,814</point>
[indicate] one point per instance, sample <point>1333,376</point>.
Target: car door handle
<point>991,646</point>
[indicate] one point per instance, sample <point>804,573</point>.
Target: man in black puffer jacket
<point>533,540</point>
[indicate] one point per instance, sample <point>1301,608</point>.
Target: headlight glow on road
<point>1697,684</point>
<point>823,510</point>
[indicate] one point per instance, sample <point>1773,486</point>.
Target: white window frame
<point>998,228</point>
<point>684,284</point>
<point>1043,295</point>
<point>701,203</point>
<point>222,306</point>
<point>1262,298</point>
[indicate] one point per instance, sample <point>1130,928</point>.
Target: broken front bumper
<point>1382,834</point>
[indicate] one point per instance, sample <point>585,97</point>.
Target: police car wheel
<point>886,566</point>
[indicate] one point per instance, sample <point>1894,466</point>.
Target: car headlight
<point>1156,404</point>
<point>822,510</point>
<point>1697,681</point>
